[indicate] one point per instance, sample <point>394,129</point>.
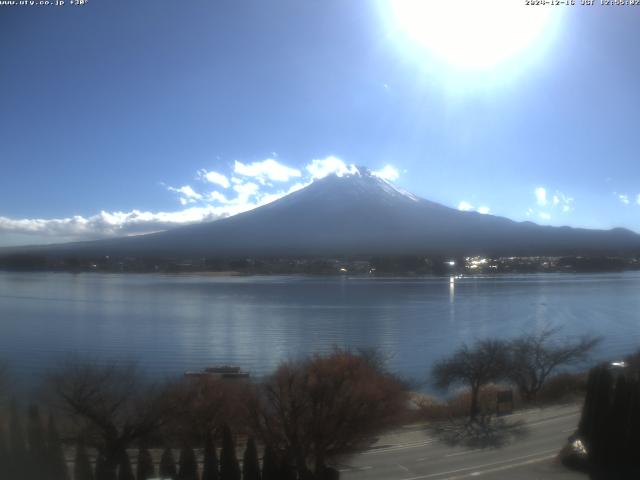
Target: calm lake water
<point>170,324</point>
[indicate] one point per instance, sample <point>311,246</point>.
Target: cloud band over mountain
<point>216,195</point>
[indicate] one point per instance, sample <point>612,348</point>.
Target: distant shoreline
<point>222,274</point>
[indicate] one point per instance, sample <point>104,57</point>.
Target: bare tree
<point>473,367</point>
<point>113,406</point>
<point>534,357</point>
<point>204,404</point>
<point>324,407</point>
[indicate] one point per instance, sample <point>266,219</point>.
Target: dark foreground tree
<point>55,453</point>
<point>37,444</point>
<point>331,473</point>
<point>473,367</point>
<point>269,465</point>
<point>324,407</point>
<point>145,469</point>
<point>4,452</point>
<point>534,357</point>
<point>203,405</point>
<point>125,472</point>
<point>595,412</point>
<point>103,471</point>
<point>188,465</point>
<point>168,465</point>
<point>210,464</point>
<point>287,471</point>
<point>4,382</point>
<point>18,460</point>
<point>250,464</point>
<point>610,423</point>
<point>229,468</point>
<point>82,466</point>
<point>117,406</point>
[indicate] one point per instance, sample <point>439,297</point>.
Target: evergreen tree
<point>597,446</point>
<point>229,468</point>
<point>586,425</point>
<point>18,461</point>
<point>56,461</point>
<point>618,423</point>
<point>168,465</point>
<point>632,447</point>
<point>125,472</point>
<point>250,465</point>
<point>286,469</point>
<point>145,469</point>
<point>188,465</point>
<point>270,469</point>
<point>37,445</point>
<point>82,466</point>
<point>330,473</point>
<point>210,467</point>
<point>4,453</point>
<point>102,470</point>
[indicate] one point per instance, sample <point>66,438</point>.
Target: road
<point>522,446</point>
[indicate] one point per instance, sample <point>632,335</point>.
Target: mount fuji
<point>359,214</point>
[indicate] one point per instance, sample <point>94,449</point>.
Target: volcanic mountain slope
<point>361,214</point>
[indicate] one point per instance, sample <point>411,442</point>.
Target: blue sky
<point>122,117</point>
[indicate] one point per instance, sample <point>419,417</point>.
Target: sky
<point>121,117</point>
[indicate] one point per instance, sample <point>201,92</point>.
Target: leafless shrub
<point>324,407</point>
<point>112,406</point>
<point>473,367</point>
<point>534,357</point>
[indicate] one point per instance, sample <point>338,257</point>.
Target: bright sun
<point>472,34</point>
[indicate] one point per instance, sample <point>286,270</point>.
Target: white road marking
<point>355,469</point>
<point>395,448</point>
<point>505,467</point>
<point>476,467</point>
<point>465,452</point>
<point>553,419</point>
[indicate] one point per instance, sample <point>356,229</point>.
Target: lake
<point>170,324</point>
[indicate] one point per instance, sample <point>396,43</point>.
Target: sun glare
<point>472,34</point>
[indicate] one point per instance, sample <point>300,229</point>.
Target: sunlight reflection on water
<point>176,323</point>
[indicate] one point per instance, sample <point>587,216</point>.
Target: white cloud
<point>638,199</point>
<point>214,177</point>
<point>187,194</point>
<point>245,191</point>
<point>272,197</point>
<point>387,173</point>
<point>567,203</point>
<point>248,187</point>
<point>110,224</point>
<point>558,202</point>
<point>216,196</point>
<point>267,169</point>
<point>320,168</point>
<point>624,198</point>
<point>465,206</point>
